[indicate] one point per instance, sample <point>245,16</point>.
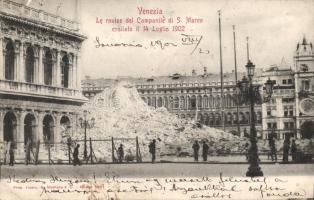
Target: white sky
<point>274,28</point>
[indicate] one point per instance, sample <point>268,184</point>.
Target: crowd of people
<point>287,148</point>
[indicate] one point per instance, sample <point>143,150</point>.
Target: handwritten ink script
<point>111,187</point>
<point>185,40</point>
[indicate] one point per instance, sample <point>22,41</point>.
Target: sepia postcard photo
<point>156,99</point>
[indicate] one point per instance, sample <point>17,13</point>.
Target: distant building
<point>39,74</point>
<point>189,97</point>
<point>304,87</point>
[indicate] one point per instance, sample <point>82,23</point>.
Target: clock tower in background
<point>304,88</point>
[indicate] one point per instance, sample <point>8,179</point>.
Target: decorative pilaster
<point>40,71</point>
<point>16,61</point>
<point>22,63</point>
<point>54,67</point>
<point>57,135</point>
<point>2,113</point>
<point>71,84</point>
<point>75,85</point>
<point>78,71</point>
<point>58,69</point>
<point>36,64</point>
<point>1,59</point>
<point>40,135</point>
<point>20,132</point>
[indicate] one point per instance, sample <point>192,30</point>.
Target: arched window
<point>217,119</point>
<point>205,99</point>
<point>247,117</point>
<point>48,129</point>
<point>154,102</point>
<point>211,119</point>
<point>65,71</point>
<point>9,127</point>
<point>217,102</point>
<point>9,61</point>
<point>159,102</point>
<point>242,119</point>
<point>48,68</point>
<point>192,103</point>
<point>170,103</point>
<point>229,118</point>
<point>182,102</point>
<point>228,101</point>
<point>176,102</point>
<point>29,65</point>
<point>199,101</point>
<point>65,123</point>
<point>149,102</point>
<point>211,101</point>
<point>166,102</point>
<point>29,129</point>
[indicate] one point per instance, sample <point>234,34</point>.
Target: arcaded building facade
<point>39,74</point>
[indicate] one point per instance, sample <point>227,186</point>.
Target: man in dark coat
<point>205,151</point>
<point>152,150</point>
<point>286,147</point>
<point>120,153</point>
<point>294,150</point>
<point>196,147</point>
<point>11,153</point>
<point>76,160</point>
<point>272,146</point>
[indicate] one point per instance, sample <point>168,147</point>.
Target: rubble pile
<point>120,112</point>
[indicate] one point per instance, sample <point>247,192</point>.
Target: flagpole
<point>221,77</point>
<point>236,74</point>
<point>247,48</point>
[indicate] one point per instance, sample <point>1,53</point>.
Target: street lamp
<point>250,94</point>
<point>86,123</point>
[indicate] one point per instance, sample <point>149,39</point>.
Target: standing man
<point>272,146</point>
<point>286,147</point>
<point>121,153</point>
<point>11,153</point>
<point>205,151</point>
<point>196,147</point>
<point>76,160</point>
<point>294,150</point>
<point>152,150</point>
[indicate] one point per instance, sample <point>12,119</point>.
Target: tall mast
<point>236,73</point>
<point>221,77</point>
<point>77,13</point>
<point>247,48</point>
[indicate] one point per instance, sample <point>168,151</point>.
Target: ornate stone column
<point>78,71</point>
<point>36,64</point>
<point>58,68</point>
<point>40,71</point>
<point>71,83</point>
<point>16,61</point>
<point>54,67</point>
<point>22,70</point>
<point>2,113</point>
<point>57,134</point>
<point>75,85</point>
<point>1,59</point>
<point>20,131</point>
<point>40,118</point>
